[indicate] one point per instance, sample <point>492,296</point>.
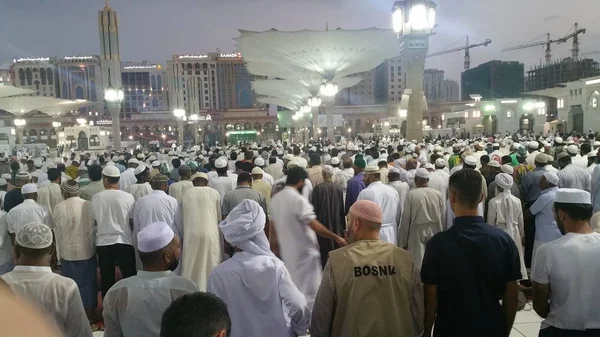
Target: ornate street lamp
<point>20,124</point>
<point>113,98</point>
<point>413,21</point>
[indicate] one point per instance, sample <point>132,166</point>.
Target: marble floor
<point>527,324</point>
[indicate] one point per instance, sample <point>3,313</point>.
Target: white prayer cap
<point>111,171</point>
<point>35,174</point>
<point>495,145</point>
<point>152,158</point>
<point>259,162</point>
<point>440,162</point>
<point>6,176</point>
<point>200,175</point>
<point>422,173</point>
<point>592,154</point>
<point>494,163</point>
<point>335,161</point>
<point>115,159</point>
<point>572,149</point>
<point>429,166</point>
<point>562,155</point>
<point>533,145</point>
<point>292,163</point>
<point>394,170</point>
<point>372,169</point>
<point>139,169</point>
<point>154,237</point>
<point>35,235</point>
<point>244,228</point>
<point>121,157</point>
<point>516,146</point>
<point>58,161</point>
<point>257,170</point>
<point>572,196</point>
<point>289,157</point>
<point>541,158</point>
<point>596,143</point>
<point>29,188</point>
<point>140,156</point>
<point>328,169</point>
<point>552,178</point>
<point>221,162</point>
<point>470,160</point>
<point>155,163</point>
<point>3,182</point>
<point>506,168</point>
<point>382,160</point>
<point>171,153</point>
<point>37,162</point>
<point>110,163</point>
<point>132,161</point>
<point>504,180</point>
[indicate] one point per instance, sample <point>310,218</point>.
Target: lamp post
<point>179,114</point>
<point>328,91</point>
<point>113,98</point>
<point>56,126</point>
<point>20,124</point>
<point>314,103</point>
<point>349,133</point>
<point>194,118</point>
<point>413,21</point>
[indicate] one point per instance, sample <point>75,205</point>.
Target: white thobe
<point>498,215</point>
<point>387,198</point>
<point>306,191</point>
<point>402,188</point>
<point>438,180</point>
<point>127,178</point>
<point>134,306</point>
<point>531,157</point>
<point>42,176</point>
<point>267,178</point>
<point>57,295</point>
<point>580,160</point>
<point>50,196</point>
<point>248,281</point>
<point>202,244</point>
<point>573,176</point>
<point>551,168</point>
<point>178,189</point>
<point>27,212</point>
<point>6,247</point>
<point>74,229</point>
<point>383,175</point>
<point>156,207</point>
<point>291,213</point>
<point>591,168</point>
<point>274,170</point>
<point>139,190</point>
<point>223,184</point>
<point>422,218</point>
<point>595,183</point>
<point>343,176</point>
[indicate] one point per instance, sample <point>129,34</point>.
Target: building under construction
<point>567,70</point>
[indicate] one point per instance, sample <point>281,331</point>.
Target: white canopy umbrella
<point>21,105</point>
<point>9,90</point>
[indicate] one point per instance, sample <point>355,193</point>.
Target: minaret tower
<point>108,28</point>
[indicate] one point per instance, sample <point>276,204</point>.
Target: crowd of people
<point>384,237</point>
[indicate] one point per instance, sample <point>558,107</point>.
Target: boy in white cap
<point>112,209</point>
<point>134,306</point>
<point>27,212</point>
<point>224,181</point>
<point>141,188</point>
<point>255,277</point>
<point>33,279</point>
<point>422,217</point>
<point>569,266</point>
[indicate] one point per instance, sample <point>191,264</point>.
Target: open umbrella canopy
<point>9,90</point>
<point>21,105</point>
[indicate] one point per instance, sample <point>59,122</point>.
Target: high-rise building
<point>39,74</point>
<point>193,82</point>
<point>144,86</point>
<point>494,79</point>
<point>567,70</point>
<point>80,77</point>
<point>110,59</point>
<point>450,91</point>
<point>235,89</point>
<point>395,77</point>
<point>432,85</point>
<point>360,94</point>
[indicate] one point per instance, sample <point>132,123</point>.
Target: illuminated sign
<point>205,118</point>
<point>193,56</point>
<point>245,132</point>
<point>78,57</point>
<point>154,66</point>
<point>104,122</point>
<point>231,55</point>
<point>32,59</point>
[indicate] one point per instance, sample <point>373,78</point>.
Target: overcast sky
<point>156,29</point>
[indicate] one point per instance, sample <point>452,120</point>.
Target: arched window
<point>594,99</point>
<point>43,75</point>
<point>197,65</point>
<point>136,129</point>
<point>94,140</point>
<point>146,128</point>
<point>257,126</point>
<point>247,126</point>
<point>204,65</point>
<point>159,81</point>
<point>237,126</point>
<point>50,76</point>
<point>28,76</point>
<point>269,126</point>
<point>94,98</point>
<point>37,86</point>
<point>22,76</point>
<point>79,94</point>
<point>189,66</point>
<point>43,132</point>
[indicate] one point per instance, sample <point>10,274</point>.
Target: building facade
<point>144,88</point>
<point>193,82</point>
<point>567,70</point>
<point>80,77</point>
<point>450,91</point>
<point>360,94</point>
<point>432,85</point>
<point>38,74</point>
<point>234,82</point>
<point>494,79</point>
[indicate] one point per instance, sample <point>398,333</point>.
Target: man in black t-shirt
<point>468,269</point>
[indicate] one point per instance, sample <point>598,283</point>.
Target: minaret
<point>108,28</point>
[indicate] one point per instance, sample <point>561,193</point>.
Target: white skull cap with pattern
<point>35,235</point>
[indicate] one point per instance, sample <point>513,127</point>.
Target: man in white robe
<point>51,194</point>
<point>255,278</point>
<point>224,181</point>
<point>422,217</point>
<point>295,225</point>
<point>387,198</point>
<point>141,188</point>
<point>128,176</point>
<point>178,189</point>
<point>400,186</point>
<point>505,211</point>
<point>202,244</point>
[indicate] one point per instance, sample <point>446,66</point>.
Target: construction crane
<point>466,48</point>
<point>549,42</point>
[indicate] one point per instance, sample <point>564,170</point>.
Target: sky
<point>156,29</point>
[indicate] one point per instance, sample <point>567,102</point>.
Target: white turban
<point>505,181</point>
<point>244,228</point>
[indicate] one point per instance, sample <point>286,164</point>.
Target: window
<point>580,92</point>
<point>392,92</point>
<point>571,92</point>
<point>197,72</point>
<point>205,79</point>
<point>206,85</point>
<point>206,92</point>
<point>392,86</point>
